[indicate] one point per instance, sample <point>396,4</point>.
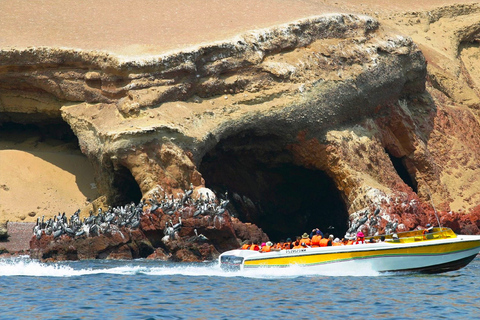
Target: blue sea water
<point>144,289</point>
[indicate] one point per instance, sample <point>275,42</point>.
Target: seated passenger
<point>316,231</point>
<point>305,241</point>
<point>327,241</point>
<point>288,244</point>
<point>428,229</point>
<point>296,244</point>
<point>360,238</point>
<point>254,247</point>
<point>246,245</point>
<point>337,242</point>
<point>279,245</point>
<point>267,247</point>
<point>315,242</point>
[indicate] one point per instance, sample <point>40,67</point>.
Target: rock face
<point>313,123</point>
<point>195,238</point>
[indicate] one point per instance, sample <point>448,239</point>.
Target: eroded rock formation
<point>306,124</point>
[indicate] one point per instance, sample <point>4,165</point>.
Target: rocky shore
<point>304,120</point>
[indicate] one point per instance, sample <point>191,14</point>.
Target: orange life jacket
<point>297,245</point>
<point>278,246</point>
<point>266,249</point>
<point>245,247</point>
<point>316,241</point>
<point>305,242</point>
<point>254,247</point>
<point>337,244</point>
<point>324,242</point>
<point>287,245</point>
<point>350,242</point>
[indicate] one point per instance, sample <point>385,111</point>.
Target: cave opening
<point>124,187</point>
<point>266,188</point>
<point>51,132</point>
<point>402,171</point>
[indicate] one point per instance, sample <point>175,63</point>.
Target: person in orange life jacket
<point>316,239</point>
<point>267,247</point>
<point>246,245</point>
<point>350,239</point>
<point>305,241</point>
<point>428,229</point>
<point>288,244</point>
<point>316,231</point>
<point>337,242</point>
<point>254,247</point>
<point>296,244</point>
<point>360,238</point>
<point>279,245</point>
<point>327,241</point>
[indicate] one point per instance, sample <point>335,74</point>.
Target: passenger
<point>246,245</point>
<point>316,231</point>
<point>360,238</point>
<point>428,229</point>
<point>288,244</point>
<point>296,244</point>
<point>382,238</point>
<point>254,247</point>
<point>305,241</point>
<point>267,247</point>
<point>372,240</point>
<point>279,245</point>
<point>337,242</point>
<point>351,239</point>
<point>327,241</point>
<point>315,243</point>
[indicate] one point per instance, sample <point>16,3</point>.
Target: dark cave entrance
<point>402,171</point>
<point>52,132</point>
<point>124,187</point>
<point>265,188</point>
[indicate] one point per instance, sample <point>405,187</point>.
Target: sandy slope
<point>42,181</point>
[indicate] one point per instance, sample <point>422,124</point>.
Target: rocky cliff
<point>316,122</point>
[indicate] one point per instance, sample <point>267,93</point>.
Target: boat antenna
<point>434,210</point>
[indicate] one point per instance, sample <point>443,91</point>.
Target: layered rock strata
<point>334,100</point>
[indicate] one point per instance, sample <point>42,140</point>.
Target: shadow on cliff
<point>56,144</point>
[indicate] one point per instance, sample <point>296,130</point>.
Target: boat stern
<point>231,262</point>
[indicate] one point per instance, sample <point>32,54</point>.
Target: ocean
<point>145,289</point>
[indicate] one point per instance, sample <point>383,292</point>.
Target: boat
<point>438,251</point>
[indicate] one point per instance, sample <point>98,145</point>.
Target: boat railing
<point>419,235</point>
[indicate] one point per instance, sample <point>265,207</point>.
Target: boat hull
<point>433,256</point>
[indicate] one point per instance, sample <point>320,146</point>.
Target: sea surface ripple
<point>142,289</point>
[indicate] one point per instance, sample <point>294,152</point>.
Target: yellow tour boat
<point>440,250</point>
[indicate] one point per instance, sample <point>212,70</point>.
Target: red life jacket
<point>360,240</point>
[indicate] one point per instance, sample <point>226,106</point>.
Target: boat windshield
<point>420,235</point>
